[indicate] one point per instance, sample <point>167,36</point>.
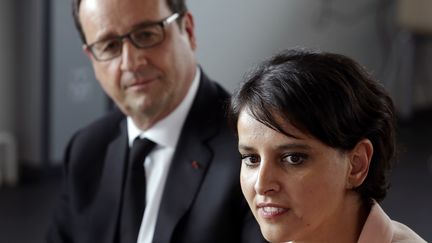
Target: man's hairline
<point>83,38</point>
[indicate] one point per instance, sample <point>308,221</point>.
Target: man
<point>142,52</point>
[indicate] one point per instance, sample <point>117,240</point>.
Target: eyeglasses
<point>145,36</point>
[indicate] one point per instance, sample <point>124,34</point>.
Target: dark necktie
<point>135,191</point>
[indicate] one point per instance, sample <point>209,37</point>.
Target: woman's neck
<point>346,226</point>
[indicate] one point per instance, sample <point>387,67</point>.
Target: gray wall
<point>49,89</point>
<point>76,97</point>
<point>29,95</point>
<point>232,36</point>
<point>7,63</point>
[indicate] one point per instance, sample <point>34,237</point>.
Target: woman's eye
<point>250,160</point>
<point>295,158</point>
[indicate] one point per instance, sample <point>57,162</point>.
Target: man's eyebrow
<point>104,36</point>
<point>110,35</point>
<point>145,23</point>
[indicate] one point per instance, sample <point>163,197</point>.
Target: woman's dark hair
<point>176,6</point>
<point>328,96</point>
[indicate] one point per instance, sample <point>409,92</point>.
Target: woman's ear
<point>360,158</point>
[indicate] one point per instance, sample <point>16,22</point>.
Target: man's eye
<point>146,36</point>
<point>250,160</point>
<point>111,46</point>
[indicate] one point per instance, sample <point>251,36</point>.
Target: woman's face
<point>295,186</point>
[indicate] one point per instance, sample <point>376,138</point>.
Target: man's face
<point>146,84</point>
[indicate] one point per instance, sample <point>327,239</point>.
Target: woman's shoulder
<point>380,228</point>
<point>403,234</point>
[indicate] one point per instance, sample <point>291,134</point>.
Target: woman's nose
<point>267,181</point>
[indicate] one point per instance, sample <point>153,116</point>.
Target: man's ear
<point>87,52</point>
<point>360,158</point>
<point>189,27</point>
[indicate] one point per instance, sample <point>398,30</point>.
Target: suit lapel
<point>184,179</point>
<point>107,205</point>
<point>190,162</point>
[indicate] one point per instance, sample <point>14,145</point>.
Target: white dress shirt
<point>165,134</point>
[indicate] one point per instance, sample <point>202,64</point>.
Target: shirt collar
<point>377,227</point>
<point>166,132</point>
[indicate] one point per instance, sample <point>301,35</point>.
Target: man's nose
<point>133,58</point>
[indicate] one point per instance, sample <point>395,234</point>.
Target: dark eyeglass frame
<point>163,23</point>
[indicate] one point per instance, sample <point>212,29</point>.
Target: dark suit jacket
<point>199,205</point>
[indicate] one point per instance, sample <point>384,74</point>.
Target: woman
<point>317,138</point>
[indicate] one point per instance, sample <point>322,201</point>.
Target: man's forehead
<point>105,18</point>
<point>117,10</point>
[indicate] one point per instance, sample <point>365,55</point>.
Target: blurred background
<point>48,90</point>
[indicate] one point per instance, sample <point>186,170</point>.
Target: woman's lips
<point>271,211</point>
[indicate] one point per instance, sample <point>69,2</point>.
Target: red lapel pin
<point>195,165</point>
